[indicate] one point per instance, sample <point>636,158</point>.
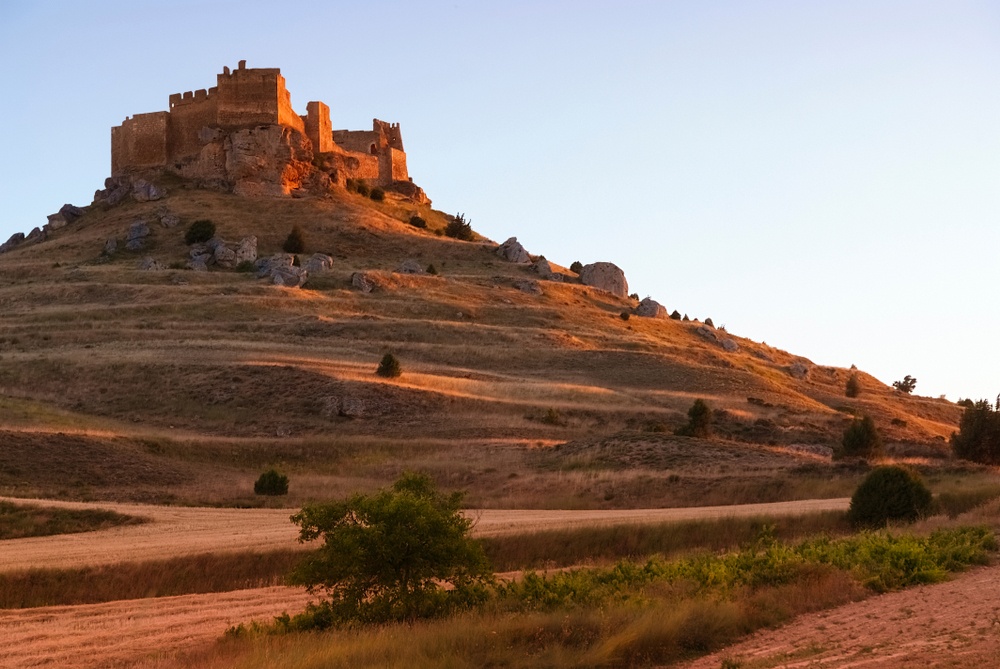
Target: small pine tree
<point>459,228</point>
<point>576,267</point>
<point>907,385</point>
<point>889,494</point>
<point>861,439</point>
<point>676,315</point>
<point>431,269</point>
<point>389,367</point>
<point>699,421</point>
<point>853,387</point>
<point>271,483</point>
<point>199,232</point>
<point>295,242</point>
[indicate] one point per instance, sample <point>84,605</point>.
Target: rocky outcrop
<point>246,250</point>
<point>545,271</point>
<point>150,264</point>
<point>146,191</point>
<point>411,266</point>
<point>798,370</point>
<point>605,276</point>
<point>512,251</point>
<point>12,242</point>
<point>169,220</point>
<point>528,286</point>
<point>115,190</point>
<point>650,308</point>
<point>366,282</point>
<point>110,247</point>
<point>318,263</point>
<point>281,269</point>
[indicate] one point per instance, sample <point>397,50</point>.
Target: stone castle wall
<point>187,138</point>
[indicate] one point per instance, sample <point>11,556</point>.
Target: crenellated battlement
<point>243,99</point>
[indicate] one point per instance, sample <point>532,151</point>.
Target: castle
<point>207,134</point>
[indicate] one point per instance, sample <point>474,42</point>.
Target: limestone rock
<point>224,256</point>
<point>512,251</point>
<point>706,333</point>
<point>730,345</point>
<point>411,266</point>
<point>246,250</point>
<point>71,213</point>
<point>150,264</point>
<point>529,286</point>
<point>318,263</point>
<point>169,220</point>
<point>115,190</point>
<point>544,270</point>
<point>135,238</point>
<point>199,263</point>
<point>650,308</point>
<point>605,276</point>
<point>267,160</point>
<point>364,281</point>
<point>14,240</point>
<point>145,191</point>
<point>56,221</point>
<point>352,407</point>
<point>36,234</point>
<point>111,246</point>
<point>265,266</point>
<point>289,276</point>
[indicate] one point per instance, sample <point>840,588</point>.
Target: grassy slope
<point>181,386</point>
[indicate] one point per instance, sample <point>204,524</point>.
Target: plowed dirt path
<point>176,531</point>
<point>954,624</point>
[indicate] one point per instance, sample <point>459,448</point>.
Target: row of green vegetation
<point>19,520</point>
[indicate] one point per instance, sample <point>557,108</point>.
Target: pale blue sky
<point>822,176</point>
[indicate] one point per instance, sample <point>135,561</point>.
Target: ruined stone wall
<point>139,142</point>
<point>390,133</point>
<point>392,166</point>
<point>189,113</point>
<point>318,127</point>
<point>359,141</point>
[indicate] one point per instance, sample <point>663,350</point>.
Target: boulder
<point>512,251</point>
<point>150,264</point>
<point>115,190</point>
<point>264,266</point>
<point>650,308</point>
<point>364,281</point>
<point>110,247</point>
<point>224,256</point>
<point>135,238</point>
<point>169,220</point>
<point>528,286</point>
<point>352,407</point>
<point>12,241</point>
<point>56,221</point>
<point>246,250</point>
<point>145,191</point>
<point>605,276</point>
<point>706,333</point>
<point>798,370</point>
<point>318,263</point>
<point>544,270</point>
<point>71,213</point>
<point>411,266</point>
<point>35,235</point>
<point>730,345</point>
<point>289,276</point>
<point>199,263</point>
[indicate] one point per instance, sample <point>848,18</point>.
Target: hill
<point>180,386</point>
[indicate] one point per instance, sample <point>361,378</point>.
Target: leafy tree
<point>978,436</point>
<point>295,242</point>
<point>199,232</point>
<point>399,554</point>
<point>853,386</point>
<point>459,228</point>
<point>861,439</point>
<point>906,385</point>
<point>271,483</point>
<point>887,494</point>
<point>389,366</point>
<point>699,421</point>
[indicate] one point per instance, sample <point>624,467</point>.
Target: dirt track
<point>178,531</point>
<point>954,624</point>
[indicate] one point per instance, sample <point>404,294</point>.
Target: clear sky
<point>822,176</point>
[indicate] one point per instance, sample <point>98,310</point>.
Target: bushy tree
<point>377,194</point>
<point>699,421</point>
<point>907,385</point>
<point>887,494</point>
<point>389,366</point>
<point>576,267</point>
<point>459,228</point>
<point>399,554</point>
<point>271,482</point>
<point>417,221</point>
<point>861,439</point>
<point>853,386</point>
<point>295,242</point>
<point>199,232</point>
<point>978,436</point>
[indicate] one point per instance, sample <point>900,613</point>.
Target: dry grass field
<point>164,394</point>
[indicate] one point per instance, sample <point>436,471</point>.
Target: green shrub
<point>362,188</point>
<point>432,270</point>
<point>377,194</point>
<point>861,440</point>
<point>887,494</point>
<point>271,483</point>
<point>295,242</point>
<point>576,267</point>
<point>459,228</point>
<point>418,222</point>
<point>699,421</point>
<point>978,436</point>
<point>245,266</point>
<point>389,367</point>
<point>199,232</point>
<point>907,385</point>
<point>853,386</point>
